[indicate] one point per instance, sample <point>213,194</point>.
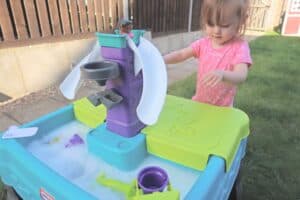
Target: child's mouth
<point>217,36</point>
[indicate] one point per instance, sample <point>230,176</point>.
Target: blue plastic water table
<point>37,170</point>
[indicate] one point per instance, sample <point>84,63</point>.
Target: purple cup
<point>152,179</point>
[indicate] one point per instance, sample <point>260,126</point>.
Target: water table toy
<point>152,183</point>
<point>74,141</point>
<point>152,179</point>
<point>53,140</point>
<point>121,136</point>
<point>15,132</point>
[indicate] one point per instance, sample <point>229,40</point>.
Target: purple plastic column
<point>122,118</point>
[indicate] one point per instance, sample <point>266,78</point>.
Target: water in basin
<point>81,168</point>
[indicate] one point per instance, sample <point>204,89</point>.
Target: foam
<point>82,168</point>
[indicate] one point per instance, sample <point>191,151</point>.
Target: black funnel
<point>100,71</point>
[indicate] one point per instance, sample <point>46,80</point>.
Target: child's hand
<point>212,78</point>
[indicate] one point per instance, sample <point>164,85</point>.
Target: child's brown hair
<point>214,10</point>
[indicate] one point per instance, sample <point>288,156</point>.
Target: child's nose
<point>217,29</point>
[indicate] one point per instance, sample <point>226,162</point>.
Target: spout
<point>101,82</point>
<point>108,97</point>
<point>100,71</point>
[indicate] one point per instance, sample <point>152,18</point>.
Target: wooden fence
<point>195,25</point>
<point>257,15</point>
<point>167,16</point>
<point>160,16</point>
<point>39,20</point>
<point>23,20</point>
<point>260,11</point>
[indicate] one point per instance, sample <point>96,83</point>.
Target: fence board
<point>139,4</point>
<point>91,15</point>
<point>112,6</point>
<point>19,19</point>
<point>132,12</point>
<point>167,16</point>
<point>144,19</point>
<point>120,9</point>
<point>165,11</point>
<point>161,15</point>
<point>5,23</point>
<point>74,17</point>
<point>154,15</point>
<point>98,13</point>
<point>32,19</point>
<point>82,16</point>
<point>64,14</point>
<point>180,18</point>
<point>196,15</point>
<point>185,15</point>
<point>43,17</point>
<point>173,19</point>
<point>106,15</point>
<point>54,17</point>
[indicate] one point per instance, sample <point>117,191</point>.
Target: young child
<point>126,27</point>
<point>223,56</point>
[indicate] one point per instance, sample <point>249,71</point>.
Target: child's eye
<point>224,25</point>
<point>209,23</point>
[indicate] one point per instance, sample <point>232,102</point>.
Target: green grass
<point>1,191</point>
<point>271,98</point>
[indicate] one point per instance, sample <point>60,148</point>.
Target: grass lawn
<point>271,98</point>
<point>1,191</point>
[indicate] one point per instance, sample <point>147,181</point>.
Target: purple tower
<point>122,118</point>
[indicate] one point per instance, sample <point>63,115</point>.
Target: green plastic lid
<point>188,132</point>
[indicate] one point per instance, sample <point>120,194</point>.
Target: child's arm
<point>235,77</point>
<point>179,56</point>
<point>238,75</point>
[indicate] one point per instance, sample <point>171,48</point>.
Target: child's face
<point>126,29</point>
<point>223,31</point>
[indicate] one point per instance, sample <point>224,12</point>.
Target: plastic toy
<point>185,145</point>
<point>152,179</point>
<point>15,132</point>
<point>88,113</point>
<point>129,126</point>
<point>152,183</point>
<point>53,140</point>
<point>74,141</point>
<point>129,190</point>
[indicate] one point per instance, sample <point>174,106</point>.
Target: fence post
<point>125,9</point>
<point>190,16</point>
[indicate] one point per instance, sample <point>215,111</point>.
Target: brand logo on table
<point>45,195</point>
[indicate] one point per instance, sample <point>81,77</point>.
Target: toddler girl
<point>126,27</point>
<point>223,56</point>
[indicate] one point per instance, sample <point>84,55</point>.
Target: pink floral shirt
<point>223,58</point>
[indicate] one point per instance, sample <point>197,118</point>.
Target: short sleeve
<point>197,46</point>
<point>242,54</point>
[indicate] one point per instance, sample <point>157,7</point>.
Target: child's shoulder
<point>201,41</point>
<point>204,39</point>
<point>240,42</point>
